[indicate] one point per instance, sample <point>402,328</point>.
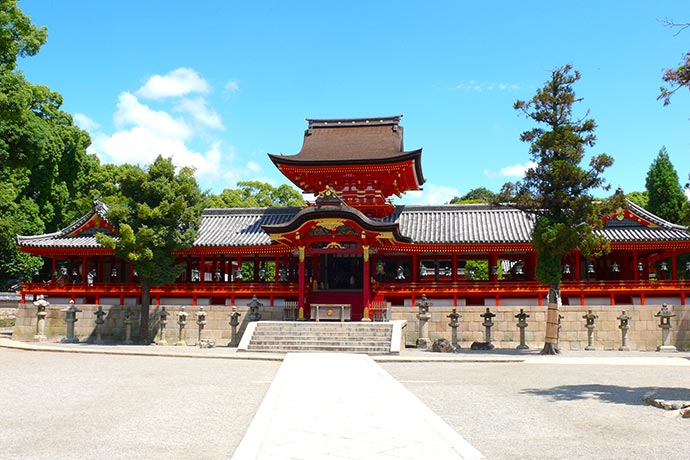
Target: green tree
<point>159,216</point>
<point>666,197</point>
<point>19,37</point>
<point>256,194</point>
<point>476,195</point>
<point>43,162</point>
<point>639,198</point>
<point>558,190</point>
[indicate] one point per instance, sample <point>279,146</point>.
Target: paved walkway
<point>345,406</point>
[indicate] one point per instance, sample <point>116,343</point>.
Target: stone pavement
<point>355,409</point>
<point>345,406</point>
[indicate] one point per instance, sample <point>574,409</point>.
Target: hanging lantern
<point>566,269</point>
<point>640,267</point>
<point>615,268</point>
<point>590,268</point>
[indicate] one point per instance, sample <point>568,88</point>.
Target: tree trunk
<point>551,340</point>
<point>145,304</point>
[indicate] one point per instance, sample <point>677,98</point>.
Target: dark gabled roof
<point>70,236</point>
<point>627,229</point>
<point>351,140</point>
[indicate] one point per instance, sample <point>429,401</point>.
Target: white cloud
<point>85,123</point>
<point>517,170</point>
<point>687,193</point>
<point>474,85</point>
<point>197,107</point>
<point>232,86</point>
<point>431,194</point>
<point>177,83</point>
<point>131,112</point>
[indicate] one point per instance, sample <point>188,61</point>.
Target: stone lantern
<point>522,324</point>
<point>589,324</point>
<point>201,321</point>
<point>665,316</point>
<point>41,313</point>
<point>423,316</point>
<point>128,320</point>
<point>454,323</point>
<point>254,305</point>
<point>70,319</point>
<point>488,324</point>
<point>234,322</point>
<point>624,326</point>
<point>100,314</point>
<point>182,322</point>
<point>162,322</point>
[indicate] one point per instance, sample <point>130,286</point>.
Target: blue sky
<point>219,84</point>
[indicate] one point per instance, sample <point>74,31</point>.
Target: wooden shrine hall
<point>352,245</point>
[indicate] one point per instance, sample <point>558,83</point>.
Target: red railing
<point>504,288</point>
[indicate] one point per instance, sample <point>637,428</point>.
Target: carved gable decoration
<point>328,197</point>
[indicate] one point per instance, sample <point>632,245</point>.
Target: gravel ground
<point>78,406</point>
<point>556,411</point>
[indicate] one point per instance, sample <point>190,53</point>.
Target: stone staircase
<point>352,337</point>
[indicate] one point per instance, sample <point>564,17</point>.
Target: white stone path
<point>345,406</point>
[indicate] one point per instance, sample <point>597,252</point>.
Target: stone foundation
<point>644,333</point>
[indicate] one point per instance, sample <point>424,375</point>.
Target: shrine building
<point>353,245</point>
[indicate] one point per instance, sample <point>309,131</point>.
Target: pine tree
<point>666,197</point>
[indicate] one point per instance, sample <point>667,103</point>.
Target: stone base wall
<point>644,332</point>
<point>217,323</point>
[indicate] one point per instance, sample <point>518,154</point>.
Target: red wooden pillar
<point>202,269</point>
<point>415,268</point>
<point>577,267</point>
<point>52,273</point>
<point>454,277</point>
<point>300,302</point>
<point>636,272</point>
<point>365,283</point>
<point>674,276</point>
<point>493,262</point>
<point>85,270</point>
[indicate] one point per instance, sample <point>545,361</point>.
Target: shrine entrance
<point>337,278</point>
<point>340,272</point>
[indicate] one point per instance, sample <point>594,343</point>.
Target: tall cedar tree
<point>558,190</point>
<point>160,216</point>
<point>666,197</point>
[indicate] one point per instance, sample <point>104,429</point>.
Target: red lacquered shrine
<point>353,246</point>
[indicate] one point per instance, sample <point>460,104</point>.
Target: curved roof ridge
<point>642,212</point>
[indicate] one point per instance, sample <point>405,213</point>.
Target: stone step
<point>272,327</point>
<point>287,341</point>
<point>322,334</point>
<point>349,349</point>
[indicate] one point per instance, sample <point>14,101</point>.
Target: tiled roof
<point>463,224</point>
<point>62,238</point>
<point>240,226</point>
<point>446,224</point>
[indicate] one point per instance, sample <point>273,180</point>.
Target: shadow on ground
<point>610,393</point>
